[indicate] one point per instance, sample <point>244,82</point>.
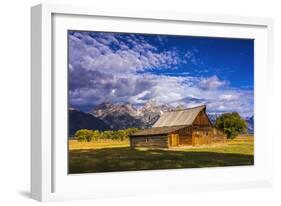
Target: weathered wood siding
<point>219,136</point>
<point>149,141</point>
<point>173,140</point>
<point>202,134</point>
<point>200,137</point>
<point>202,120</point>
<point>202,130</point>
<point>185,136</point>
<point>185,140</point>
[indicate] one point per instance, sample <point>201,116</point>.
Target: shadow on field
<point>127,159</point>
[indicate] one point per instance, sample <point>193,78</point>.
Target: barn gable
<point>202,119</point>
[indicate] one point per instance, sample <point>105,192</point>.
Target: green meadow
<point>116,155</point>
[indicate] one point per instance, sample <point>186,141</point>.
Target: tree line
<point>86,135</point>
<point>230,123</point>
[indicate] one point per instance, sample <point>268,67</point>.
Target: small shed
<point>188,127</point>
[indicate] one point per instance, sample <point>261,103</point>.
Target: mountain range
<point>121,116</point>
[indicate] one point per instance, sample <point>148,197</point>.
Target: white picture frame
<point>49,179</point>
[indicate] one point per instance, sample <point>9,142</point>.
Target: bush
<point>96,135</point>
<point>106,135</point>
<point>84,135</point>
<point>232,124</point>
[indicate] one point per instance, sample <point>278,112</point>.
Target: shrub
<point>84,135</point>
<point>106,135</point>
<point>96,135</point>
<point>232,124</point>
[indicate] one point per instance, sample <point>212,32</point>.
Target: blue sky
<point>167,69</point>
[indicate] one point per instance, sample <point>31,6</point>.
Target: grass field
<point>108,156</point>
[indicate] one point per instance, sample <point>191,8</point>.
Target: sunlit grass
<point>74,144</point>
<point>106,156</point>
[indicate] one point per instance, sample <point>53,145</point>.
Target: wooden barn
<point>188,127</point>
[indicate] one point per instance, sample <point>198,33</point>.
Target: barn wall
<point>219,136</point>
<point>203,131</point>
<point>202,135</point>
<point>185,136</point>
<point>149,141</point>
<point>207,135</point>
<point>185,140</point>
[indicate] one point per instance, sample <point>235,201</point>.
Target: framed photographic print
<point>133,102</point>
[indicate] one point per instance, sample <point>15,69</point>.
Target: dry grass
<point>107,156</point>
<point>74,144</point>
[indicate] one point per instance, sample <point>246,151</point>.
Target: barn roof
<point>179,118</point>
<point>172,121</point>
<point>158,130</point>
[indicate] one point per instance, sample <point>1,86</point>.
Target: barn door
<point>174,140</point>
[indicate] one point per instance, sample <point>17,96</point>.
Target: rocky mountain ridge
<point>123,116</point>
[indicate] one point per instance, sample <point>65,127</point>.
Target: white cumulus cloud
<point>107,67</point>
